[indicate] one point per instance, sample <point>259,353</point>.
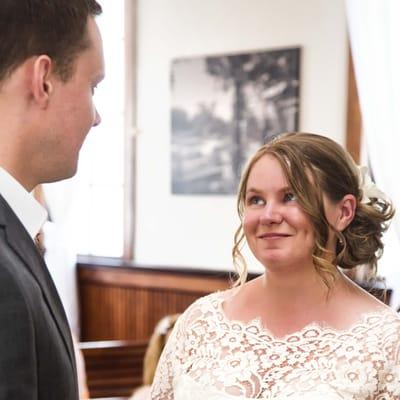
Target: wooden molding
<point>150,279</point>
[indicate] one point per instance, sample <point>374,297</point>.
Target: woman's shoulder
<point>361,305</point>
<point>204,307</point>
<point>381,327</point>
<point>209,302</point>
<point>383,319</point>
<point>385,333</point>
<point>390,321</point>
<point>378,312</point>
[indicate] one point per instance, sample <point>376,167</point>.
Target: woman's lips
<point>273,235</point>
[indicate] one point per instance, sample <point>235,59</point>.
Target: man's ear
<point>41,82</point>
<point>346,211</point>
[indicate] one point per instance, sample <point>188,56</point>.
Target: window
<point>102,179</point>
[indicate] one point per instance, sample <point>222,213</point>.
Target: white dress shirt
<point>31,213</point>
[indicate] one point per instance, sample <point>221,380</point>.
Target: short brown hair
<point>57,28</point>
<point>314,166</point>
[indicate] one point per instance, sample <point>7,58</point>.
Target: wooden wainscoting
<point>113,368</point>
<point>119,301</point>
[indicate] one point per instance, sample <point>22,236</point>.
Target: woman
<point>302,330</point>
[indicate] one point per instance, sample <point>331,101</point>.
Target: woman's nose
<point>271,214</point>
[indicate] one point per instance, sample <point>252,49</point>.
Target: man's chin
<point>61,175</point>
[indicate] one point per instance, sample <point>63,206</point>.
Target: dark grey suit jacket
<point>36,352</point>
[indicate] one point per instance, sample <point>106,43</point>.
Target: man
<point>51,60</point>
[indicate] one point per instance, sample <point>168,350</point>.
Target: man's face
<point>72,110</point>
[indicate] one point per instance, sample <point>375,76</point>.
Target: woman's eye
<point>255,201</point>
<point>289,197</point>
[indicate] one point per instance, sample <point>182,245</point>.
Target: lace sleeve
<point>168,365</point>
<point>390,377</point>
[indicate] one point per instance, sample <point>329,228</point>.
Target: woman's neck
<point>299,289</point>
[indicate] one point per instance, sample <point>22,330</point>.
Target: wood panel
<point>126,313</point>
<point>125,303</point>
<point>113,368</point>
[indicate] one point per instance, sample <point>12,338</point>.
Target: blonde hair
<point>156,345</point>
<point>314,166</point>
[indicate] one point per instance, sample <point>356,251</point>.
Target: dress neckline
<point>366,321</point>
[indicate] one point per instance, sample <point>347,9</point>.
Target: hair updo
<point>314,166</point>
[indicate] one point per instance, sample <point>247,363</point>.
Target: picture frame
<point>223,109</point>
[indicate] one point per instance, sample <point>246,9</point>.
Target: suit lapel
<point>20,241</point>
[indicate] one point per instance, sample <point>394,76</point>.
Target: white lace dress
<point>209,357</point>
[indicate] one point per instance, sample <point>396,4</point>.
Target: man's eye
<point>289,197</point>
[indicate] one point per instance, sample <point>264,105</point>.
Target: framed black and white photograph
<point>223,108</point>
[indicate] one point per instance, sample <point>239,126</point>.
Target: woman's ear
<point>346,209</point>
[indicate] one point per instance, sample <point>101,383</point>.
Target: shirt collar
<point>31,213</point>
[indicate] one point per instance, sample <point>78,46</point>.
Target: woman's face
<point>277,230</point>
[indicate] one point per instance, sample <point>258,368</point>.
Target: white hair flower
<point>368,187</point>
<point>163,326</point>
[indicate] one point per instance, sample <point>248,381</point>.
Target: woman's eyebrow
<point>257,191</point>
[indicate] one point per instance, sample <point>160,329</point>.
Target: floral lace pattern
<point>245,361</point>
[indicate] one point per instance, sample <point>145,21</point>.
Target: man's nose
<point>97,118</point>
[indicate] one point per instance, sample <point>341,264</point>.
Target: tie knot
<point>39,242</point>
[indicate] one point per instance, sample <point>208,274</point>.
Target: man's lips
<point>273,235</point>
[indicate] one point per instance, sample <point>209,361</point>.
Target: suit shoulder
<point>12,289</point>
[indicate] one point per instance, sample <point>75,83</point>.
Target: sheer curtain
<point>374,32</point>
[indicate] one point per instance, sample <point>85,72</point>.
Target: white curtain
<point>374,31</point>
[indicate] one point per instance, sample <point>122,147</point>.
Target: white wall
<point>197,231</point>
